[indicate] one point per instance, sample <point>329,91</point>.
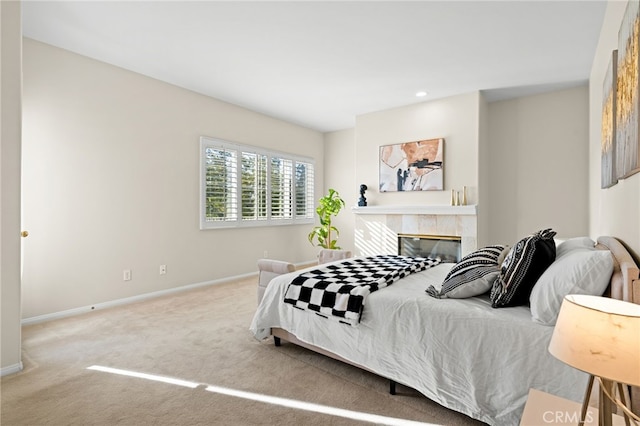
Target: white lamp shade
<point>600,336</point>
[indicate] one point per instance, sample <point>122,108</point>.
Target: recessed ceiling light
<point>421,94</point>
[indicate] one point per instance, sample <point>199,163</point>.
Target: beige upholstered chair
<point>327,255</point>
<point>267,270</point>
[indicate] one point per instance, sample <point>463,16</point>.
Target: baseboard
<point>12,369</point>
<point>128,300</point>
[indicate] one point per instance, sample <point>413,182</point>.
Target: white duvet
<point>460,353</point>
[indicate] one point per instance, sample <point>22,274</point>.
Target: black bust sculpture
<point>362,201</point>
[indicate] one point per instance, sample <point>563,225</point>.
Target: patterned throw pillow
<point>522,267</point>
<point>473,275</point>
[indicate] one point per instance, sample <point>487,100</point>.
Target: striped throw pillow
<point>522,267</point>
<point>473,275</point>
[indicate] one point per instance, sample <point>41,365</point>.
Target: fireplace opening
<point>445,248</point>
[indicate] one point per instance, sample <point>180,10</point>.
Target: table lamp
<point>600,336</point>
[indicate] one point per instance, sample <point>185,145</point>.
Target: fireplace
<point>377,227</point>
<point>444,247</point>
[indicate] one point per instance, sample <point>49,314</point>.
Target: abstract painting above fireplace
<point>412,166</point>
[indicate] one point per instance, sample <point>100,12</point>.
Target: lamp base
<point>607,402</point>
<point>605,407</point>
<point>585,401</point>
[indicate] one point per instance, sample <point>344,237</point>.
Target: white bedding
<point>460,353</point>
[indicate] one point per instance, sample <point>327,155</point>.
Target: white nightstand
<point>546,409</point>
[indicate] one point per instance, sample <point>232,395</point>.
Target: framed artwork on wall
<point>608,137</point>
<point>627,94</point>
<point>412,166</point>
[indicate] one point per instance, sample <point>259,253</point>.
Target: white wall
<point>111,175</point>
<point>340,169</point>
<point>538,165</point>
<point>455,119</point>
<point>525,160</point>
<point>484,175</point>
<point>111,169</point>
<point>613,211</point>
<point>10,131</point>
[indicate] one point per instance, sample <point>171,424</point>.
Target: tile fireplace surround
<point>377,227</point>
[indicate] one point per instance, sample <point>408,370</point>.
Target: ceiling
<point>321,64</point>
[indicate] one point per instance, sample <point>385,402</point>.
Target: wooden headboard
<point>625,282</point>
<point>625,285</point>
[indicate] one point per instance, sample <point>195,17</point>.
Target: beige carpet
<point>199,336</point>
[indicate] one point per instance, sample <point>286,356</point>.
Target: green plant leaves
<point>328,206</point>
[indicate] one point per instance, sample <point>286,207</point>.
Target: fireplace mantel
<point>418,210</point>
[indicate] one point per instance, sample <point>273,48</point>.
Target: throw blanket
<point>339,290</point>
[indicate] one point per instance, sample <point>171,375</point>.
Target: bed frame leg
<point>276,341</point>
<point>392,387</point>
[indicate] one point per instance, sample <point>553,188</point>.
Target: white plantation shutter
<point>305,202</point>
<point>221,180</point>
<point>281,188</point>
<point>248,186</point>
<point>254,186</point>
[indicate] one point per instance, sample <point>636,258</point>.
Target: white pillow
<point>577,243</point>
<point>576,272</point>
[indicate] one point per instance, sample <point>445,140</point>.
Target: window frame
<point>239,221</point>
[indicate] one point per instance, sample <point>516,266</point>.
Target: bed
<point>459,352</point>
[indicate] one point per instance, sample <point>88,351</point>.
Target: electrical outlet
<point>126,275</point>
<point>163,269</point>
<point>265,254</point>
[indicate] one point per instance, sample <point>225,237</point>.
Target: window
<point>248,186</point>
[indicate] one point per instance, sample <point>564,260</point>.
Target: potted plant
<point>329,205</point>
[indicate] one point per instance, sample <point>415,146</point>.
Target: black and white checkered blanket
<point>339,290</point>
